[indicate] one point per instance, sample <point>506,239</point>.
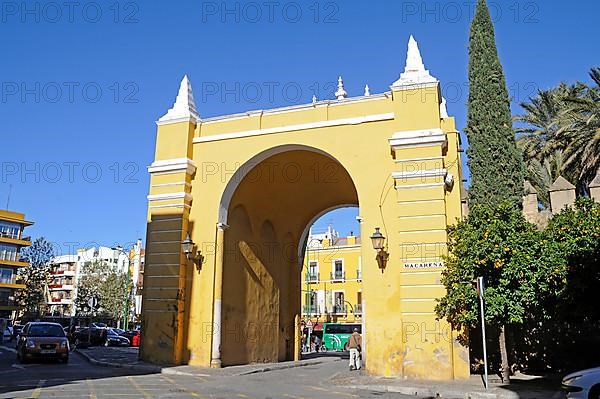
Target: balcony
<point>61,287</point>
<point>338,276</point>
<point>340,309</point>
<point>12,280</point>
<point>9,256</point>
<point>310,309</point>
<point>313,277</point>
<point>60,301</point>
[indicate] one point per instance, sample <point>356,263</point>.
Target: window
<point>313,271</point>
<point>10,230</point>
<point>8,252</point>
<point>6,276</point>
<point>339,304</point>
<point>338,270</point>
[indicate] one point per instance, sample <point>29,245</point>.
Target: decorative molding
<point>293,128</point>
<point>170,196</point>
<point>175,165</point>
<point>426,185</point>
<point>417,138</point>
<point>420,173</point>
<point>415,73</point>
<point>187,206</point>
<point>443,109</point>
<point>184,108</point>
<point>185,183</point>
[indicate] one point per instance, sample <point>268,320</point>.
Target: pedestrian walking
<point>355,346</point>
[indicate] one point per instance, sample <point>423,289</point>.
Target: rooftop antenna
<point>8,199</point>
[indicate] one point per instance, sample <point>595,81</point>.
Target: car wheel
<point>594,392</point>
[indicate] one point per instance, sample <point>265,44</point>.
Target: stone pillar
<point>215,361</point>
<point>562,194</point>
<point>595,187</point>
<point>530,203</point>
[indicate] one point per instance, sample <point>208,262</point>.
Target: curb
<point>170,371</point>
<point>449,393</point>
<point>6,348</point>
<point>282,367</point>
<point>138,367</point>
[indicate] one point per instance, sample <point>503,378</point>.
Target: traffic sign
<point>309,324</point>
<point>92,302</point>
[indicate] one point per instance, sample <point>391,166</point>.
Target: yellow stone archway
<point>245,187</point>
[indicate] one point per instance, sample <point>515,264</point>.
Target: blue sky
<point>82,85</point>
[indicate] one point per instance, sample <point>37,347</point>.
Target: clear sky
<point>82,83</point>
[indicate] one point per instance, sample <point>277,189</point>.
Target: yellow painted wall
<point>307,170</point>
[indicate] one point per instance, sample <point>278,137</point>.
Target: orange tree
<point>498,244</point>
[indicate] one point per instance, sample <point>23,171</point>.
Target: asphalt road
<point>80,379</point>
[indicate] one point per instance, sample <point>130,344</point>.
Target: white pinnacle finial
<point>341,93</point>
<point>314,99</point>
<point>443,109</point>
<point>414,71</point>
<point>184,108</point>
<point>367,91</point>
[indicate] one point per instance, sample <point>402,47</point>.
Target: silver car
<point>583,384</point>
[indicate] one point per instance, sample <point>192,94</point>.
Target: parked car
<point>42,340</point>
<point>114,339</point>
<point>89,336</point>
<point>584,384</point>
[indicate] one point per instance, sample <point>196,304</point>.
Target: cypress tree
<point>495,162</point>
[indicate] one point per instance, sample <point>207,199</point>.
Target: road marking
<point>172,382</point>
<point>138,387</point>
<point>91,388</point>
<point>38,391</point>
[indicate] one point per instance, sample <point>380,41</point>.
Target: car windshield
<point>46,330</point>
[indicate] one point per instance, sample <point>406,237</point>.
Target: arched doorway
<point>268,212</point>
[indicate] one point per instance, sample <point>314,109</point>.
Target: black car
<point>89,336</point>
<point>114,339</point>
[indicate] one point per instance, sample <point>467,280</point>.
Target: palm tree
<point>537,136</point>
<point>581,132</point>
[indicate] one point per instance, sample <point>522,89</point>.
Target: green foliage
<point>564,120</point>
<point>35,276</point>
<point>110,287</point>
<point>574,233</point>
<point>495,161</point>
<point>498,244</point>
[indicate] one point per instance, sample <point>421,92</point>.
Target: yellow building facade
<point>332,278</point>
<point>247,187</point>
<point>12,240</point>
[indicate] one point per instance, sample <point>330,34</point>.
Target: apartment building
<point>12,240</point>
<point>332,279</point>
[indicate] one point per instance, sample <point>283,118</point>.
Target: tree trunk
<point>505,371</point>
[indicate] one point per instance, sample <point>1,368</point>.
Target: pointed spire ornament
<point>314,99</point>
<point>341,93</point>
<point>184,108</point>
<point>367,91</point>
<point>414,71</point>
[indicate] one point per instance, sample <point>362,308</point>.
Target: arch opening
<point>269,207</point>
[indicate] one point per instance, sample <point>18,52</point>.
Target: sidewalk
<point>521,387</point>
<point>129,358</point>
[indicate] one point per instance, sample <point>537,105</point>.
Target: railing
<point>313,277</point>
<point>358,309</point>
<point>359,274</point>
<point>26,238</point>
<point>339,276</point>
<point>339,309</point>
<point>10,256</point>
<point>51,286</point>
<point>14,279</point>
<point>9,234</point>
<point>310,309</point>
